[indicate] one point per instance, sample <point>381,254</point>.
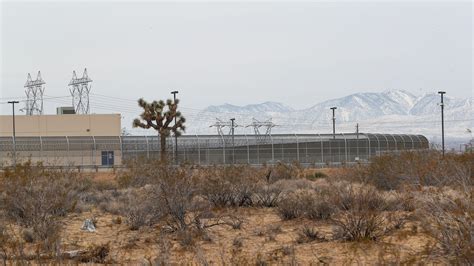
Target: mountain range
<point>391,111</point>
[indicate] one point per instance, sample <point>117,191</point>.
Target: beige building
<point>61,125</point>
<point>67,140</point>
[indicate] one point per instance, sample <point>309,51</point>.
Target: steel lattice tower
<point>34,95</point>
<point>220,125</point>
<point>80,88</point>
<point>268,125</point>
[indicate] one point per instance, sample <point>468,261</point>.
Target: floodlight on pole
<point>333,122</point>
<point>233,144</point>
<point>175,136</point>
<point>442,119</point>
<point>14,133</point>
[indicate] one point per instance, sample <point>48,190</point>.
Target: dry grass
<point>407,208</point>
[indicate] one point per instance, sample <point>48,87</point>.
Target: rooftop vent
<point>65,110</point>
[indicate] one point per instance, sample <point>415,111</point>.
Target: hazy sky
<point>240,53</point>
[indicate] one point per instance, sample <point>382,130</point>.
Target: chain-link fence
<point>307,149</point>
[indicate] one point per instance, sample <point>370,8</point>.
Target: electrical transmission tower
<point>80,88</point>
<point>267,125</point>
<point>34,95</point>
<point>220,125</point>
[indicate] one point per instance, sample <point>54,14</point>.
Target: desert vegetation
<point>412,207</point>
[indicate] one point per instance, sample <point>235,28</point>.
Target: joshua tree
<point>159,115</point>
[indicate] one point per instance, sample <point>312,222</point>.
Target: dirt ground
<point>262,237</point>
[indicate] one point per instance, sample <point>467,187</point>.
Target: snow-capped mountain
<point>392,111</point>
<point>266,107</point>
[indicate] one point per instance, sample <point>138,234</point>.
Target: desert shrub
<point>94,254</point>
<point>142,171</point>
<point>319,209</point>
<point>229,186</point>
<point>414,168</point>
<point>289,206</point>
<point>4,243</point>
<point>304,203</point>
<point>359,225</point>
<point>449,220</point>
<point>400,201</point>
<point>284,171</point>
<point>347,196</point>
<point>142,208</point>
<point>316,175</point>
<point>238,242</point>
<point>182,204</point>
<point>360,214</point>
<point>309,234</point>
<point>268,195</point>
<point>36,198</point>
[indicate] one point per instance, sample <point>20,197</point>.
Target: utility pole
<point>442,118</point>
<point>233,144</point>
<point>333,122</point>
<point>175,136</point>
<point>14,133</point>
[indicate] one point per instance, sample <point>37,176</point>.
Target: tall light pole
<point>333,122</point>
<point>442,118</point>
<point>14,133</point>
<point>233,154</point>
<point>175,136</point>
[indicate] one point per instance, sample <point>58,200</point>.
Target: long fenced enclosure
<point>307,149</point>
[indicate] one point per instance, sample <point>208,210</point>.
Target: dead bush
<point>320,209</point>
<point>284,171</point>
<point>238,242</point>
<point>359,225</point>
<point>347,196</point>
<point>360,213</point>
<point>94,254</point>
<point>229,186</point>
<point>414,168</point>
<point>142,208</point>
<point>305,203</point>
<point>142,171</point>
<point>35,197</point>
<point>289,206</point>
<point>268,195</point>
<point>450,221</point>
<point>309,234</point>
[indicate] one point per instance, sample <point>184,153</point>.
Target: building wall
<point>61,125</point>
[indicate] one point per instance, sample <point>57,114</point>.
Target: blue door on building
<point>107,158</point>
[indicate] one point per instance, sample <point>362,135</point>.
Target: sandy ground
<point>263,236</point>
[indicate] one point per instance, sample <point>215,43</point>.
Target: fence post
<point>121,150</point>
<point>322,149</point>
<point>378,141</point>
<point>411,139</point>
<point>388,144</point>
<point>248,148</point>
<point>41,149</point>
<point>147,148</point>
<point>68,159</point>
<point>223,148</point>
<point>93,159</point>
<point>395,140</point>
<point>419,141</point>
<point>297,149</point>
<point>368,144</point>
<point>199,150</point>
<point>345,146</point>
<point>273,151</point>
